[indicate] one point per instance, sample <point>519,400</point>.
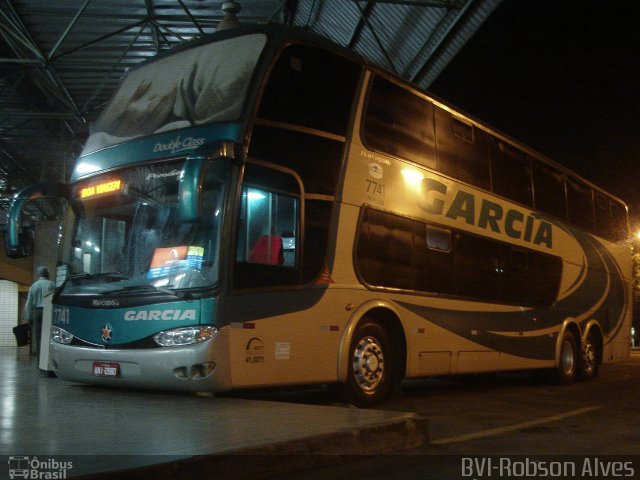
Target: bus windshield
<point>202,85</point>
<point>124,232</point>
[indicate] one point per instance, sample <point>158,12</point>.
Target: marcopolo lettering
<point>483,213</point>
<point>105,303</point>
<point>135,315</point>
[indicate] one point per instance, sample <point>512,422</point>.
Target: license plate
<point>106,369</point>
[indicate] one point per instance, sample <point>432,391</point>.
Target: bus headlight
<point>59,335</point>
<point>185,336</point>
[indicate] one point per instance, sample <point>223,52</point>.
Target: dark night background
<point>563,77</point>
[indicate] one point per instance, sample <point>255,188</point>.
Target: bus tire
<point>370,374</point>
<point>567,368</point>
<point>589,358</point>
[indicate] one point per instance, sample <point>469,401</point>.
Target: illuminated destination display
<point>101,188</point>
<point>171,260</point>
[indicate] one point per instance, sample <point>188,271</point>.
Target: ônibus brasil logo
<point>35,468</point>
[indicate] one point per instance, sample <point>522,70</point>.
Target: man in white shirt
<point>33,308</point>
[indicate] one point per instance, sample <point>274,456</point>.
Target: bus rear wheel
<point>566,370</point>
<point>370,365</point>
<point>589,358</point>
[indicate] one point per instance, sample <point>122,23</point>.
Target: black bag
<point>22,333</point>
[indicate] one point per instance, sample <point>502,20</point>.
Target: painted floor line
<point>516,426</point>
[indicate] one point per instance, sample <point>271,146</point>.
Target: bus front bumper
<point>194,367</point>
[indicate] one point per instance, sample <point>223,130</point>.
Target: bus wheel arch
<point>374,360</point>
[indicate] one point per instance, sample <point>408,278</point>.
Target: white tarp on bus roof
<point>201,85</point>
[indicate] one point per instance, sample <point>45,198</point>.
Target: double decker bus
<point>261,207</point>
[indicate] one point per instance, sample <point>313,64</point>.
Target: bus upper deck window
<point>311,87</point>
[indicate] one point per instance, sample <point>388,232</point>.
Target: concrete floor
<point>112,429</point>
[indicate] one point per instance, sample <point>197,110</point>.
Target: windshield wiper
<point>140,195</point>
<point>168,291</point>
<point>145,288</point>
<point>111,276</point>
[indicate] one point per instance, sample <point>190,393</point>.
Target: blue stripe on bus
<point>168,144</point>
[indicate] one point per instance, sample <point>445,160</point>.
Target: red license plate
<point>106,369</point>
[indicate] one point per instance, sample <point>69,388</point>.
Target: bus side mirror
<point>20,244</point>
<point>190,184</point>
<point>24,247</point>
<point>189,189</point>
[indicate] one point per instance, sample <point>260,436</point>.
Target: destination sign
<point>101,188</point>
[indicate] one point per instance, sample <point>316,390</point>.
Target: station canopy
<point>62,60</point>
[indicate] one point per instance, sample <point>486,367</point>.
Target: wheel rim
<point>568,358</point>
<point>368,364</point>
<point>589,357</point>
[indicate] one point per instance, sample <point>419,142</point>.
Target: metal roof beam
<point>450,29</point>
<point>16,29</point>
<point>311,9</point>
<point>448,4</point>
<point>376,38</point>
<point>154,30</point>
<point>100,39</point>
<point>40,80</point>
<point>7,79</point>
<point>421,50</point>
<point>191,17</point>
<point>20,60</point>
<point>168,30</point>
<point>287,9</point>
<point>16,172</point>
<point>68,29</point>
<point>41,115</point>
<point>45,78</point>
<point>355,35</point>
<point>105,79</point>
<point>6,131</point>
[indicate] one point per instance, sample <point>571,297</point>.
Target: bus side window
<point>549,190</point>
<point>580,204</point>
<point>384,250</point>
<point>399,122</point>
<point>478,267</point>
<point>267,248</point>
<point>268,226</point>
<point>548,273</point>
<point>312,88</point>
<point>511,173</point>
<point>620,221</point>
<point>604,220</point>
<point>518,275</point>
<point>462,149</point>
<point>393,251</point>
<point>434,264</point>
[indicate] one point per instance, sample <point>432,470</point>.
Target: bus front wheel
<point>370,365</point>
